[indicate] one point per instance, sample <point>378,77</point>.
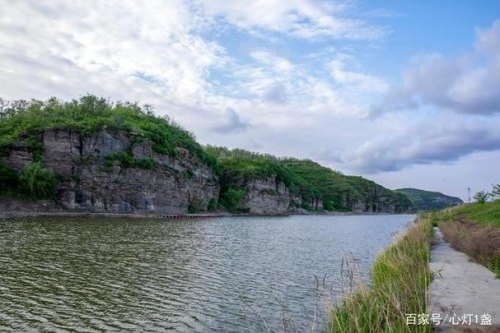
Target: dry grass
<point>480,242</point>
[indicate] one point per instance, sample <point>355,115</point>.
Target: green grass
<point>400,278</point>
<point>487,214</point>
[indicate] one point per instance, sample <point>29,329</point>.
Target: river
<point>232,274</point>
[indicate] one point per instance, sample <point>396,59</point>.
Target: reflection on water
<point>224,274</point>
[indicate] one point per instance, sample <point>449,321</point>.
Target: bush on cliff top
<point>89,114</point>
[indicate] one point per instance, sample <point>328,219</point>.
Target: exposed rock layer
<point>91,180</point>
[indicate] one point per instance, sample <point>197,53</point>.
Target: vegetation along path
<point>465,259</point>
<point>461,286</point>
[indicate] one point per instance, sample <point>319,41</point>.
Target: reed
<point>400,277</point>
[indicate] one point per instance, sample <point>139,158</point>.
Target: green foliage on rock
<point>338,191</point>
<point>37,182</point>
<point>25,121</point>
<point>304,178</point>
<point>231,199</point>
<point>240,164</point>
<point>126,160</point>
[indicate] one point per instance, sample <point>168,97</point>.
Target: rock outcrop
<point>377,200</point>
<point>91,181</point>
<point>266,197</point>
<point>120,172</point>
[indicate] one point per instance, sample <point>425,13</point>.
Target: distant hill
<point>427,200</point>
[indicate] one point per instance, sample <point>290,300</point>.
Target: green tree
<point>481,196</point>
<point>495,192</point>
<point>38,182</point>
<point>231,199</point>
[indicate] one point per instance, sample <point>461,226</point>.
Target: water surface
<point>207,275</point>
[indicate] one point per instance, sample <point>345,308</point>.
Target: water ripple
<point>218,275</point>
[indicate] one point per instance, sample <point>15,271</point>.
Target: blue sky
<point>401,92</point>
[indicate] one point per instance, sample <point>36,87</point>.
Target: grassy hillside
<point>338,191</point>
<point>427,200</point>
<point>486,214</point>
<point>305,178</point>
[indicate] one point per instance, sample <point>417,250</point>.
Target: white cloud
<point>93,44</point>
<point>300,18</point>
<point>467,84</point>
<point>362,82</point>
<point>446,140</point>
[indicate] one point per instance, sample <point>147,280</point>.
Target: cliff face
<point>94,155</point>
<point>378,200</point>
<point>119,172</point>
<point>92,181</point>
<point>266,197</point>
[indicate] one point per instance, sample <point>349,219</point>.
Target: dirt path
<point>461,286</point>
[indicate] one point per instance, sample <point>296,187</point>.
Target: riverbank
<point>402,297</point>
<point>16,208</point>
<point>400,277</point>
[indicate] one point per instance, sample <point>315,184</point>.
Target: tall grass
<point>400,278</point>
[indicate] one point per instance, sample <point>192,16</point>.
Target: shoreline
<point>68,214</point>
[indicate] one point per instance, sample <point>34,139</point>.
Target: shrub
<point>9,178</point>
<point>231,199</point>
<point>212,205</point>
<point>38,182</point>
<point>126,160</point>
<point>145,163</point>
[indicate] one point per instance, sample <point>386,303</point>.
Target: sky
<point>406,93</point>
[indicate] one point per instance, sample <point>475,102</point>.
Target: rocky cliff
<point>377,200</point>
<point>93,155</point>
<point>94,176</point>
<point>265,196</point>
<point>119,172</point>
